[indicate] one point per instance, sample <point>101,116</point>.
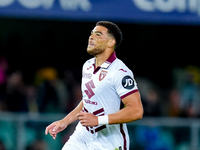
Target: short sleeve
<point>124,83</point>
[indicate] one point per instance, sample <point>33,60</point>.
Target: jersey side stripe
<point>124,136</point>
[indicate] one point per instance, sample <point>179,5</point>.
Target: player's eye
<point>98,34</point>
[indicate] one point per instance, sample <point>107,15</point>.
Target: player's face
<point>98,40</point>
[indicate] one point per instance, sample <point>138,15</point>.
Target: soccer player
<point>110,97</point>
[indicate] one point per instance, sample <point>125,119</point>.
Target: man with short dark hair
<point>110,97</point>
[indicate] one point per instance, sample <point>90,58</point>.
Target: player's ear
<point>111,42</point>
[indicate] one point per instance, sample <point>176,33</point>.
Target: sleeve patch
<point>127,82</point>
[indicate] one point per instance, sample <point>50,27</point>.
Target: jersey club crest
<point>102,75</point>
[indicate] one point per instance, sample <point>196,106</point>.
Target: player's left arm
<point>132,112</point>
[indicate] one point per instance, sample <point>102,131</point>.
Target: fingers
<point>80,114</point>
<point>46,131</point>
<point>56,127</point>
<point>82,117</point>
<point>48,128</point>
<point>53,134</point>
<point>87,119</point>
<point>51,130</point>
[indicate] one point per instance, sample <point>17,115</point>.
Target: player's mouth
<point>91,44</point>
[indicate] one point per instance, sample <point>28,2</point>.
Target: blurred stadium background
<point>42,50</point>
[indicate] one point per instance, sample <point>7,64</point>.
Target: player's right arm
<point>60,125</point>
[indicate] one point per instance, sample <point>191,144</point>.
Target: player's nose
<point>91,37</point>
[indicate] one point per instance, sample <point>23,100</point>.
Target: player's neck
<point>101,58</point>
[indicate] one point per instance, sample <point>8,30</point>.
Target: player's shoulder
<point>121,68</point>
<point>123,76</point>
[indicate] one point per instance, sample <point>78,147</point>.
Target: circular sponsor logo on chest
<point>127,82</point>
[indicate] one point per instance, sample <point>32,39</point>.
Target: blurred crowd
<point>51,94</point>
<point>47,94</point>
<point>182,99</point>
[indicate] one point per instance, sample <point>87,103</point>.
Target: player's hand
<point>55,128</point>
<point>87,119</point>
